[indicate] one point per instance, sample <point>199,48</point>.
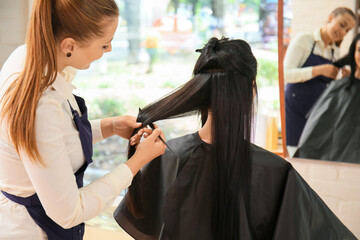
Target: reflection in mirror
<point>331,132</point>
<point>309,65</point>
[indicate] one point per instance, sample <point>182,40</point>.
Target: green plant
<point>136,83</point>
<point>169,84</point>
<point>104,85</point>
<point>106,107</point>
<point>267,73</point>
<point>135,103</point>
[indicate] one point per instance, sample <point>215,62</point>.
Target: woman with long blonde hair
<point>46,139</point>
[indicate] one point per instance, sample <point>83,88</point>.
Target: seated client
<point>215,184</point>
<point>331,131</point>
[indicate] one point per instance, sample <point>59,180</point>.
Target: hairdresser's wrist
<point>315,71</point>
<point>135,163</point>
<point>107,127</point>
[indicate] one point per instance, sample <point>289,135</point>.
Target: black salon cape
<point>283,206</point>
<point>332,131</point>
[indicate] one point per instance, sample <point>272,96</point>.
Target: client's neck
<point>205,131</point>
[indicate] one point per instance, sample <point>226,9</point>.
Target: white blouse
<point>59,146</point>
<point>299,50</point>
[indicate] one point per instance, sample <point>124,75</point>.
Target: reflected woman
<point>332,132</point>
<point>215,184</point>
<point>308,69</point>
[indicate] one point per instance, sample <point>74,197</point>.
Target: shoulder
<point>303,40</point>
<point>269,161</point>
<point>51,106</point>
<point>304,36</point>
<point>184,143</point>
<point>182,147</point>
<point>13,65</point>
<point>15,61</point>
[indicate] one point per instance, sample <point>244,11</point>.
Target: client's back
<point>176,198</point>
<point>228,189</point>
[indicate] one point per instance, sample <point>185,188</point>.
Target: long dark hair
<point>351,58</point>
<point>224,83</point>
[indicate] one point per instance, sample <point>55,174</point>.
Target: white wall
<point>14,16</point>
<point>338,184</point>
<point>309,15</point>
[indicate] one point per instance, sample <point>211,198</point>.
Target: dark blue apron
<point>300,97</point>
<point>33,204</point>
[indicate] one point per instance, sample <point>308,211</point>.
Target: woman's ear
<point>67,45</point>
<point>330,18</point>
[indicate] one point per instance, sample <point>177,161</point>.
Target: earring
<point>68,54</point>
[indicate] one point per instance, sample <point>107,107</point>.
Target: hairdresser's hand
<point>345,72</point>
<point>142,132</point>
<point>147,150</point>
<point>146,134</point>
<point>327,70</point>
<point>122,126</point>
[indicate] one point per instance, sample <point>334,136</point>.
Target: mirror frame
<point>281,54</point>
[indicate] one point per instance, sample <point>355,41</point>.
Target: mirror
<point>321,132</point>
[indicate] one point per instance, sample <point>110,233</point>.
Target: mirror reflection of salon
<point>309,69</point>
<point>331,131</point>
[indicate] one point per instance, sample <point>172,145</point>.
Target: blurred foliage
<point>104,85</point>
<point>169,84</point>
<point>136,83</point>
<point>267,73</point>
<point>135,103</point>
<point>106,107</point>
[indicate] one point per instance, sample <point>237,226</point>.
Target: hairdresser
<point>46,139</point>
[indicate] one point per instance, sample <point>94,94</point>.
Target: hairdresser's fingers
<point>148,130</point>
<point>334,72</point>
<point>124,125</point>
<point>155,134</point>
<point>130,121</point>
<point>161,135</point>
<point>151,147</point>
<point>136,138</point>
<point>145,135</point>
<point>345,72</point>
